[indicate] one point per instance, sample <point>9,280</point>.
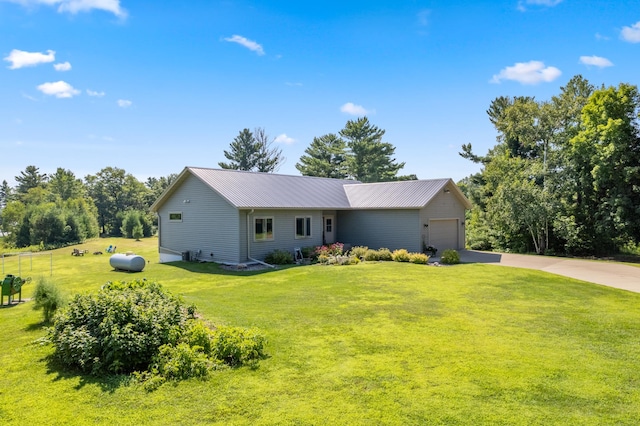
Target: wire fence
<point>27,263</point>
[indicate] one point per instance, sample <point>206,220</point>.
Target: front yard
<point>374,343</point>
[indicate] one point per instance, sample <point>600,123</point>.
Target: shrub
<point>309,252</point>
<point>385,254</point>
<point>450,257</point>
<point>279,257</point>
<point>359,251</point>
<point>237,346</point>
<point>47,296</point>
<point>419,258</point>
<point>181,362</point>
<point>371,255</point>
<point>401,255</point>
<point>118,330</point>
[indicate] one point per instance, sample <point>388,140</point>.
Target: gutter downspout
<point>249,242</point>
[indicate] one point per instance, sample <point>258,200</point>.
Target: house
<point>231,216</point>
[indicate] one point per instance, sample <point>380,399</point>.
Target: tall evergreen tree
<point>253,151</point>
<point>325,157</point>
<point>371,159</point>
<point>29,178</point>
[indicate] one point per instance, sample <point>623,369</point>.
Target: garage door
<point>443,234</point>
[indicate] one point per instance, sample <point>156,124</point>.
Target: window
<point>303,227</point>
<point>263,229</point>
<point>329,225</point>
<point>175,216</point>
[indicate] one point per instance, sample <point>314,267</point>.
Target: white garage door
<point>443,234</point>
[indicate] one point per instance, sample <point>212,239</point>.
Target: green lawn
<point>375,343</point>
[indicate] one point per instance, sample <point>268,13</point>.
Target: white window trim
<point>175,220</point>
<point>273,230</point>
<point>295,225</point>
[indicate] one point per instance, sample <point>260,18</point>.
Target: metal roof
<point>251,190</point>
<point>269,190</point>
<point>399,195</point>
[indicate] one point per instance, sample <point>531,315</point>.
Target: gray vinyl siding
<point>444,206</point>
<point>393,229</point>
<point>284,232</point>
<point>209,223</point>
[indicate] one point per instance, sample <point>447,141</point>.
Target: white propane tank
<point>127,262</point>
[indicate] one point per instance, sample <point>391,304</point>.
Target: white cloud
<point>283,138</point>
<point>76,6</point>
<point>532,72</point>
<point>295,84</point>
<point>59,89</point>
<point>596,61</point>
<point>123,103</point>
<point>96,94</point>
<point>20,58</point>
<point>353,109</point>
<point>63,66</point>
<point>632,33</point>
<point>249,44</point>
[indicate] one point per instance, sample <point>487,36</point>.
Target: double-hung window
<point>263,229</point>
<point>303,227</point>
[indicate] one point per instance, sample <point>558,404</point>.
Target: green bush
<point>401,255</point>
<point>359,251</point>
<point>385,254</point>
<point>450,257</point>
<point>419,258</point>
<point>181,362</point>
<point>309,252</point>
<point>47,297</point>
<point>237,346</point>
<point>118,330</point>
<point>371,255</point>
<point>279,257</point>
<point>137,327</point>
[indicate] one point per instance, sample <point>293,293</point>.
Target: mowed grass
<point>376,343</point>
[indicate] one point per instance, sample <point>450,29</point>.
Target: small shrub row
<point>338,260</point>
<point>363,253</point>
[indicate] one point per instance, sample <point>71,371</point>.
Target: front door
<point>329,233</point>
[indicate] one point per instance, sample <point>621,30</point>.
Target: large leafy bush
<point>139,327</point>
<point>119,329</point>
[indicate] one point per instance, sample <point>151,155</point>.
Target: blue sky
<point>151,87</point>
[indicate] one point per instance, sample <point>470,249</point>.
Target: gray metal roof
<point>399,195</point>
<point>250,190</point>
<point>269,190</point>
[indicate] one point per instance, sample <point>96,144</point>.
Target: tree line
<point>60,209</point>
<point>564,175</point>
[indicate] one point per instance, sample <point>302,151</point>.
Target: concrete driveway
<point>611,274</point>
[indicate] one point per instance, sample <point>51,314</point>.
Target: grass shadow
<point>107,384</point>
<point>216,269</point>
